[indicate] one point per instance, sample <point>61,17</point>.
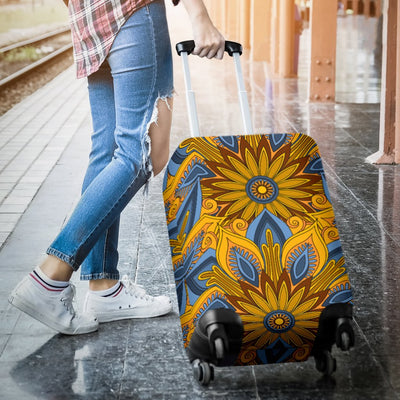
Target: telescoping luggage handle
<point>234,50</point>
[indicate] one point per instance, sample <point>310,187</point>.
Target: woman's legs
<point>105,251</point>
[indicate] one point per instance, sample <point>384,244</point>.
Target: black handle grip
<point>188,46</point>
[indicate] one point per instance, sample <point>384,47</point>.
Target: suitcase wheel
<point>325,363</point>
<point>203,372</point>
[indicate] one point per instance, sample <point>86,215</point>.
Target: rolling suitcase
<point>259,270</point>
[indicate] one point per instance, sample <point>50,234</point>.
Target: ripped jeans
<point>123,95</point>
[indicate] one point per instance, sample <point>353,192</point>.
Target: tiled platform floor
<point>145,359</point>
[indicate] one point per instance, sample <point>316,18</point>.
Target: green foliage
<point>27,53</point>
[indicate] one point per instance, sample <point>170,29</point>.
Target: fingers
<point>220,53</point>
<point>214,50</point>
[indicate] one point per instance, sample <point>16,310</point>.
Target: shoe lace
<point>133,289</point>
<point>68,298</point>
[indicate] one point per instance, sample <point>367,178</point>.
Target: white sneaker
<point>55,311</point>
<point>131,301</point>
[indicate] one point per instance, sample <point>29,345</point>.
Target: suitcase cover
<point>252,229</point>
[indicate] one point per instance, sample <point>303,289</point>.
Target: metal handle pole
<point>244,102</point>
<point>190,98</point>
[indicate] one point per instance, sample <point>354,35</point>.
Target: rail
<point>15,76</point>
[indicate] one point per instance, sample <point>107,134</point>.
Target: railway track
<point>36,43</point>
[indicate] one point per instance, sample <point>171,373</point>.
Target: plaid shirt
<point>94,25</point>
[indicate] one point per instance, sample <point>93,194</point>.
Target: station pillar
<point>323,27</point>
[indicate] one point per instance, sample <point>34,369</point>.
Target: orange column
<point>286,39</point>
<point>237,20</point>
<point>231,19</point>
<point>268,29</point>
<point>378,8</point>
<point>367,7</point>
<point>389,131</point>
<point>397,118</point>
<point>244,29</point>
<point>351,5</point>
<point>361,7</point>
<point>323,50</point>
<point>259,30</point>
<point>275,43</point>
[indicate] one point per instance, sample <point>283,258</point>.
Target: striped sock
<point>44,282</point>
<point>113,291</point>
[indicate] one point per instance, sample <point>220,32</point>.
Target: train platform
<point>44,142</point>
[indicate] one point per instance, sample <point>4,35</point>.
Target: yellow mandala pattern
<point>252,229</point>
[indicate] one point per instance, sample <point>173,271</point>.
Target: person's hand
<point>208,40</point>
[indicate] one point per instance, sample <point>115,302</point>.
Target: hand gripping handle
<point>234,50</point>
<point>188,46</point>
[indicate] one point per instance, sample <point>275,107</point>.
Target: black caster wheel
<point>203,372</point>
<point>325,363</point>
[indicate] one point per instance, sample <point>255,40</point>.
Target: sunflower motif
<point>291,315</point>
<point>256,178</point>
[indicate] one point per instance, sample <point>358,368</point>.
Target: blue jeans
<point>123,96</point>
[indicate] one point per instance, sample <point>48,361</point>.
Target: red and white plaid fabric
<point>94,25</point>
